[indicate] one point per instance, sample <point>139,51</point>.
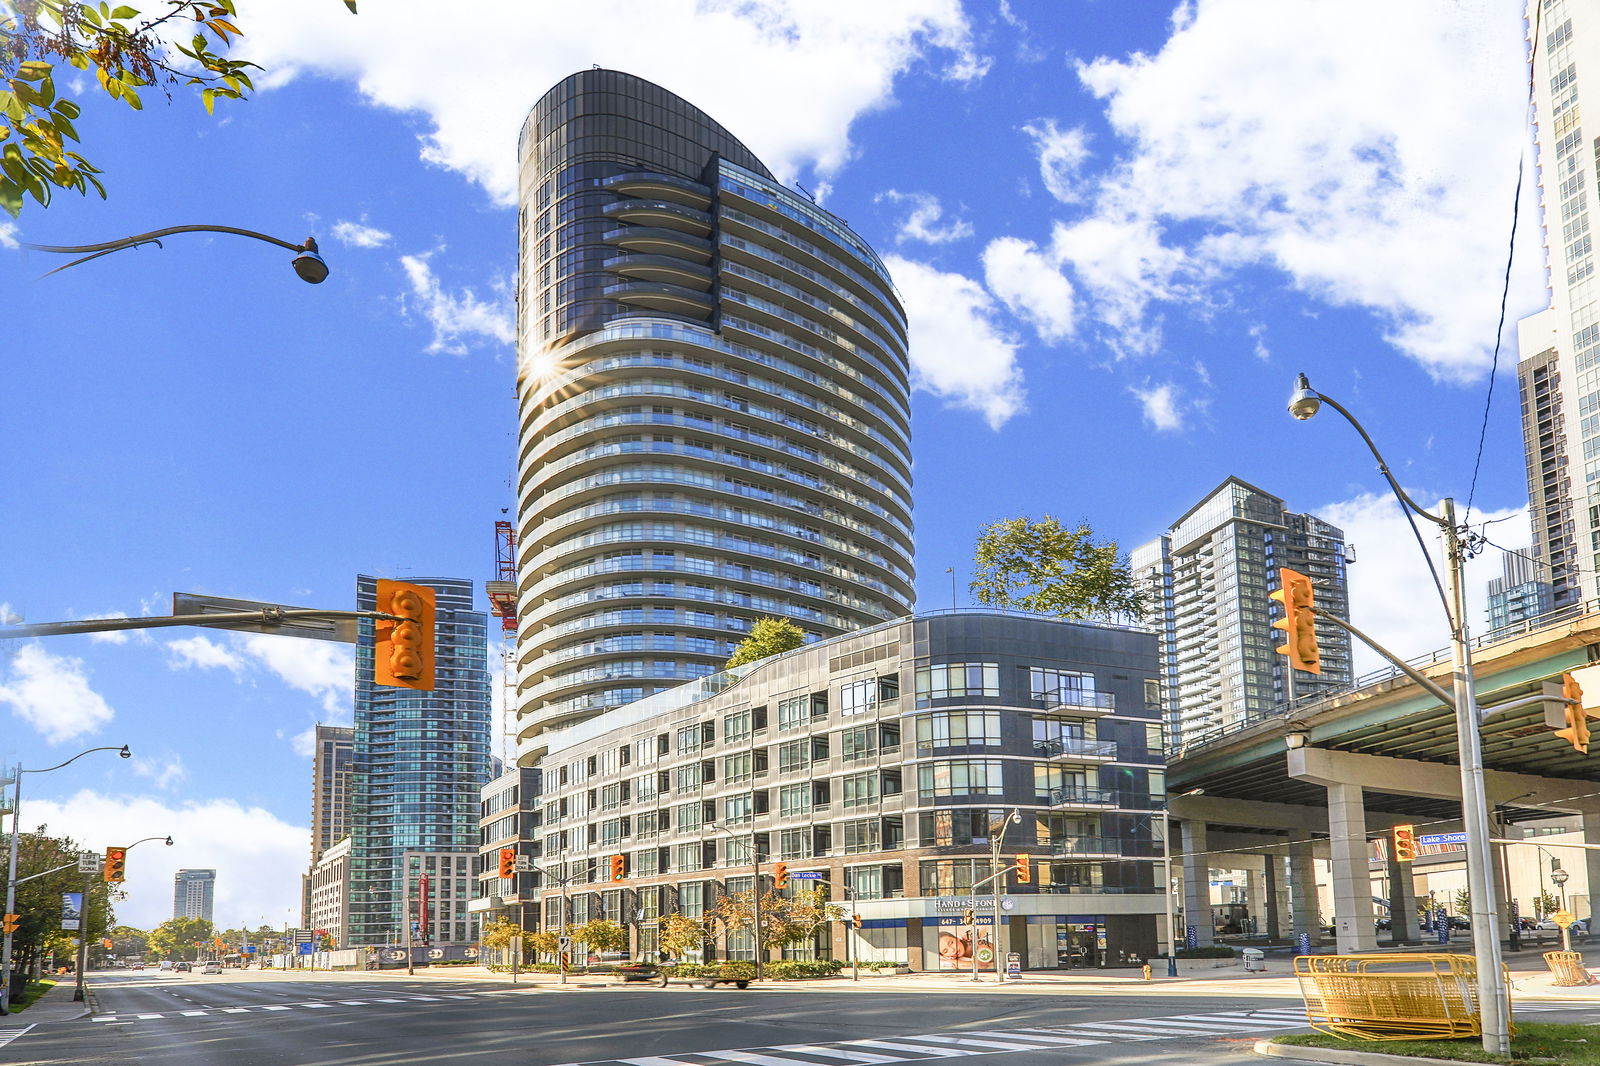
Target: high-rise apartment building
<point>1210,578</point>
<point>330,787</point>
<point>1518,595</point>
<point>419,761</point>
<point>194,894</point>
<point>714,400</point>
<point>1559,372</point>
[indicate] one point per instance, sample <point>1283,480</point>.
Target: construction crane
<point>502,593</point>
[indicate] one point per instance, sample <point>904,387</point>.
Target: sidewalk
<point>56,1005</point>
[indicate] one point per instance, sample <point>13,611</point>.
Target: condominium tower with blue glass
<point>419,760</point>
<point>714,405</point>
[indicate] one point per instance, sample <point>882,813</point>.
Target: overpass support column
<point>1402,902</point>
<point>1197,882</point>
<point>1256,896</point>
<point>1272,880</point>
<point>1591,835</point>
<point>1352,881</point>
<point>1303,889</point>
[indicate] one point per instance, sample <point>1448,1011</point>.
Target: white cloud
<point>925,220</point>
<point>9,616</point>
<point>790,76</point>
<point>359,235</point>
<point>1124,265</point>
<point>455,317</point>
<point>1030,285</point>
<point>1161,406</point>
<point>203,653</point>
<point>52,694</point>
<point>1392,596</point>
<point>1367,184</point>
<point>958,351</point>
<point>167,771</point>
<point>257,856</point>
<point>1061,155</point>
<point>8,235</point>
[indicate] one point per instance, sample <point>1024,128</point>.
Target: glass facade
<point>420,759</point>
<point>714,403</point>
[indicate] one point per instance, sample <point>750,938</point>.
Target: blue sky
<point>1119,229</point>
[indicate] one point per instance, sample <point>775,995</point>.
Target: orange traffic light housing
<point>1405,843</point>
<point>855,920</point>
<point>1573,713</point>
<point>619,867</point>
<point>1299,622</point>
<point>508,862</point>
<point>780,875</point>
<point>1024,870</point>
<point>10,924</point>
<point>116,865</point>
<point>403,655</point>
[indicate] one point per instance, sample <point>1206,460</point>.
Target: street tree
<point>128,942</point>
<point>39,900</point>
<point>769,636</point>
<point>1045,568</point>
<point>181,938</point>
<point>601,935</point>
<point>785,920</point>
<point>180,43</point>
<point>681,934</point>
<point>499,934</point>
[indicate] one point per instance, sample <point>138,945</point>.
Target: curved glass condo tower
<point>713,396</point>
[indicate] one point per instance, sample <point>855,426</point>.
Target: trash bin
<point>1255,960</point>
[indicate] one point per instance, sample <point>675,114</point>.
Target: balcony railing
<point>1081,796</point>
<point>1069,700</point>
<point>1064,847</point>
<point>1070,747</point>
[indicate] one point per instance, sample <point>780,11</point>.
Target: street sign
<point>808,875</point>
<point>302,936</point>
<point>523,864</point>
<point>308,948</point>
<point>1563,919</point>
<point>1442,838</point>
<point>1013,964</point>
<point>343,630</point>
<point>88,862</point>
<point>565,943</point>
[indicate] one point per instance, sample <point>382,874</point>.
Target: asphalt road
<point>266,1019</point>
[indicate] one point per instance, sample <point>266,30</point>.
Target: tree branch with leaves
<point>1046,568</point>
<point>768,636</point>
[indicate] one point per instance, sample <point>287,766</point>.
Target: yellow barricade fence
<point>1391,997</point>
<point>1568,968</point>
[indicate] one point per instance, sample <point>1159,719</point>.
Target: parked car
<point>1549,930</point>
<point>211,967</point>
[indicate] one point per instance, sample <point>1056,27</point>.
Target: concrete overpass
<point>1320,777</point>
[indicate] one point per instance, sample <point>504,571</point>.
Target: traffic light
<point>107,943</point>
<point>403,656</point>
<point>508,862</point>
<point>1024,870</point>
<point>619,867</point>
<point>116,865</point>
<point>855,920</point>
<point>1574,715</point>
<point>11,923</point>
<point>780,875</point>
<point>1298,622</point>
<point>1405,843</point>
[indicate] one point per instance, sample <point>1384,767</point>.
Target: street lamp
<point>1493,999</point>
<point>11,865</point>
<point>755,887</point>
<point>1558,877</point>
<point>1166,862</point>
<point>308,264</point>
<point>561,925</point>
<point>997,835</point>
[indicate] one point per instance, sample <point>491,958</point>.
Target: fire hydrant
<point>1145,970</point>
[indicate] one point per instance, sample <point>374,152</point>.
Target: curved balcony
<point>674,299</point>
<point>1081,798</point>
<point>665,269</point>
<point>661,214</point>
<point>660,187</point>
<point>655,240</point>
<point>1075,749</point>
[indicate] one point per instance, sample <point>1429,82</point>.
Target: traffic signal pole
<point>11,890</point>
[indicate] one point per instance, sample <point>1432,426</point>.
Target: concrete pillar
<point>1402,903</point>
<point>1352,881</point>
<point>1196,882</point>
<point>1272,885</point>
<point>1591,860</point>
<point>1255,894</point>
<point>1303,889</point>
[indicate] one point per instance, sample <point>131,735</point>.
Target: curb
<point>1344,1058</point>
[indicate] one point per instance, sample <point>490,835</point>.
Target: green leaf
<point>34,70</point>
<point>10,197</point>
<point>65,128</point>
<point>91,16</point>
<point>133,99</point>
<point>67,108</point>
<point>351,4</point>
<point>208,97</point>
<point>125,12</point>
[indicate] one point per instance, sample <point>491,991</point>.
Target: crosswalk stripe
<point>1143,1026</point>
<point>147,1016</point>
<point>1220,1024</point>
<point>1066,1030</point>
<point>314,1006</point>
<point>8,1035</point>
<point>274,1006</point>
<point>658,1060</point>
<point>932,1052</point>
<point>837,1053</point>
<point>1064,1041</point>
<point>193,1013</point>
<point>225,1010</point>
<point>965,1041</point>
<point>762,1060</point>
<point>354,1002</point>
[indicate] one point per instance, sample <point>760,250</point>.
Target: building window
<point>959,777</point>
<point>860,790</point>
<point>798,711</point>
<point>875,882</point>
<point>955,680</point>
<point>794,800</point>
<point>795,843</point>
<point>958,729</point>
<point>857,697</point>
<point>952,877</point>
<point>862,836</point>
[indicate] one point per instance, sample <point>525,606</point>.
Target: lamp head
<point>1304,402</point>
<point>169,842</point>
<point>309,265</point>
<point>125,753</point>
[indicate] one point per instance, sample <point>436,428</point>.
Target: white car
<point>211,967</point>
<point>1549,930</point>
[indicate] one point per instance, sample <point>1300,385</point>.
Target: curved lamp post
<point>11,865</point>
<point>755,888</point>
<point>307,264</point>
<point>1493,1001</point>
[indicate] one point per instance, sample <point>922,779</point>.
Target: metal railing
<point>1059,747</point>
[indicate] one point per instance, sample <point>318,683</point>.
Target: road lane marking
<point>837,1053</point>
<point>930,1052</point>
<point>8,1035</point>
<point>1064,1041</point>
<point>967,1041</point>
<point>763,1060</point>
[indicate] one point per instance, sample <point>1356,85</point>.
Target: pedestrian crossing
<point>964,1043</point>
<point>8,1035</point>
<point>383,997</point>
